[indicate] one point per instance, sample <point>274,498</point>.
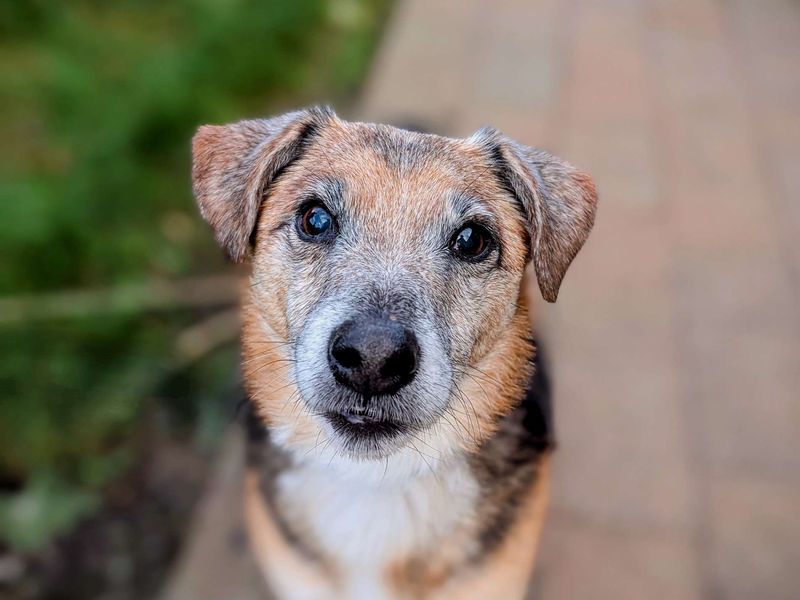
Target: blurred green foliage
<point>98,102</point>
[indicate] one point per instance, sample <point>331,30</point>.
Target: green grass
<point>98,103</point>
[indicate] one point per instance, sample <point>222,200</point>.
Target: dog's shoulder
<point>508,463</point>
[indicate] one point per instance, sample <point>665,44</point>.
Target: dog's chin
<point>362,436</point>
<point>369,428</point>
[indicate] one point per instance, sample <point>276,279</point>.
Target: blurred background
<point>118,329</point>
<point>675,342</point>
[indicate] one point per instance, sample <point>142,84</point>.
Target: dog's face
<point>387,268</point>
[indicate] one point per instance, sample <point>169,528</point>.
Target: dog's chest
<point>367,527</point>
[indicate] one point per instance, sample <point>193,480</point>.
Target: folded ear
<point>233,166</point>
<point>557,201</point>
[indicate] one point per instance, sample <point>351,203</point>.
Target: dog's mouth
<point>358,424</point>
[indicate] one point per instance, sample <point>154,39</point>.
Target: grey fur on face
<point>397,201</point>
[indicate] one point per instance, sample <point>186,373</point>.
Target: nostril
<point>346,356</point>
<point>400,364</point>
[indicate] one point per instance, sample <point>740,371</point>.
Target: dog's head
<point>385,299</point>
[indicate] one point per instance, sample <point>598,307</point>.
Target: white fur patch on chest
<point>365,519</point>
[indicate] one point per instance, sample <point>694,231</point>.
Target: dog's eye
<point>471,242</point>
<point>315,222</point>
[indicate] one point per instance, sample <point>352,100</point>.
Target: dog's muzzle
<point>374,357</point>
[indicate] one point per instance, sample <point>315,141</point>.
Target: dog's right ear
<point>233,166</point>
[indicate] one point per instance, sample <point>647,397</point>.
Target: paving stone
<point>422,70</point>
<point>754,537</point>
<point>743,361</point>
<point>590,562</point>
<point>216,562</point>
<point>621,457</point>
<point>736,304</point>
<point>514,64</point>
<point>764,40</point>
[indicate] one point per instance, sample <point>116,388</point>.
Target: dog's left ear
<point>233,166</point>
<point>557,200</point>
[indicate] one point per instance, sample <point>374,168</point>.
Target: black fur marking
<point>538,405</point>
<point>265,458</point>
<point>507,464</point>
<point>502,172</point>
<point>308,133</point>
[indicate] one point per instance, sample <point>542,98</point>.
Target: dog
<point>400,441</point>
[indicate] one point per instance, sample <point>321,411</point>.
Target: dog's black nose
<point>373,356</point>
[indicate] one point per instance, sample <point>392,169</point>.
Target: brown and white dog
<point>401,445</point>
